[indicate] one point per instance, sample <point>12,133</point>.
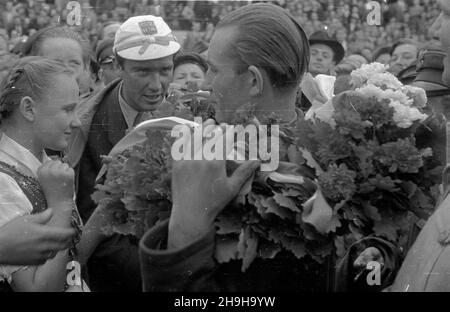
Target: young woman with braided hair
<point>38,100</point>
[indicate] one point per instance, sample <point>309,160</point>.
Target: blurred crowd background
<point>193,22</point>
<point>345,20</point>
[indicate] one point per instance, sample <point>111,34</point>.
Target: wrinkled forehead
<point>405,48</point>
<point>321,48</point>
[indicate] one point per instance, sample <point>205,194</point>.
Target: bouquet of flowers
<point>350,171</point>
<point>371,171</point>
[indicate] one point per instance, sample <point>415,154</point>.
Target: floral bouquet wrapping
<point>351,170</point>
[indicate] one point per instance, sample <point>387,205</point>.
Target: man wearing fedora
<point>326,53</point>
<point>430,67</point>
<point>144,47</point>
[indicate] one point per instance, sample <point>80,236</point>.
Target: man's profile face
<point>223,78</point>
<point>321,60</point>
<point>145,83</point>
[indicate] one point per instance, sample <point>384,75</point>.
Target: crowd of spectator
<point>345,20</point>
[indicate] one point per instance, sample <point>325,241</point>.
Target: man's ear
<point>257,81</point>
<point>27,108</point>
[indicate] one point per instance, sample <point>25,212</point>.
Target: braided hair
<point>30,76</point>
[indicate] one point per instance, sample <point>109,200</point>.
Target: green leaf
<point>357,233</point>
<point>409,187</point>
<point>386,228</point>
<point>268,250</point>
<point>247,247</point>
<point>226,249</point>
<point>371,211</point>
<point>272,207</point>
<point>310,161</point>
<point>100,197</point>
<point>284,201</point>
<point>296,246</point>
<point>333,224</point>
<point>132,203</point>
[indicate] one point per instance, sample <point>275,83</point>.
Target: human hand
<point>200,191</point>
<point>57,181</point>
<point>27,240</point>
<point>368,254</point>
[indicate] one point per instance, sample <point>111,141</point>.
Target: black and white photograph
<point>224,152</point>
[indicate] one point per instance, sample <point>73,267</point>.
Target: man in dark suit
<point>144,47</point>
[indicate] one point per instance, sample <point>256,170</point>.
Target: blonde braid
<point>7,102</point>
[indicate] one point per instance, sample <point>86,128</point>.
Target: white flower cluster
<point>360,76</point>
<point>374,81</point>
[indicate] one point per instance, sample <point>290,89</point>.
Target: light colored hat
<point>143,38</point>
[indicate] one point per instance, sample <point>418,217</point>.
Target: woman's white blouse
<point>13,202</point>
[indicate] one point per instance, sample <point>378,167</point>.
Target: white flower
<point>404,116</point>
<point>418,95</point>
<point>384,80</point>
<point>388,94</point>
<point>362,74</point>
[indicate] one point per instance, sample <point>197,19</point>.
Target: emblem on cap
<point>148,28</point>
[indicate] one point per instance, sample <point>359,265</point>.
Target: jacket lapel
<point>116,125</point>
<point>86,112</point>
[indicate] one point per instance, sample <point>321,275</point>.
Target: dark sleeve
<point>115,265</point>
<point>345,273</point>
<point>190,268</point>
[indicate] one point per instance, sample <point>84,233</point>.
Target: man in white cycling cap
<point>144,47</point>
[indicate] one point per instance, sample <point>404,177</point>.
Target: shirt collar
<point>19,154</point>
<point>129,113</point>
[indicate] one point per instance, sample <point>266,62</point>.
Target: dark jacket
<point>114,266</point>
<point>193,268</point>
<point>427,265</point>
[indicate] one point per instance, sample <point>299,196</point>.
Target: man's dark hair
<point>405,41</point>
<point>190,58</point>
<point>271,39</point>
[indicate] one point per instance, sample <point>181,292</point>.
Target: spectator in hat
<point>326,53</point>
<point>403,54</point>
<point>426,265</point>
<point>344,69</point>
<point>189,68</point>
<point>104,55</point>
<point>144,48</point>
<point>430,67</point>
<point>110,29</point>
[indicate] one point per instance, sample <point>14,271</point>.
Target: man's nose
<point>154,82</point>
<point>76,122</point>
